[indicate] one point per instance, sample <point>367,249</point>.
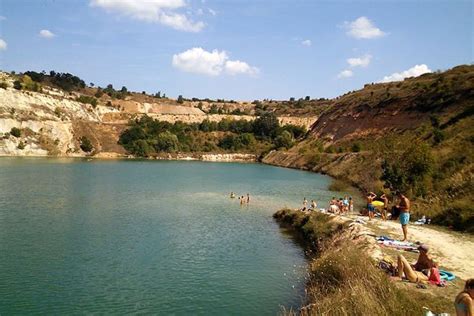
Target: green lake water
<point>152,237</point>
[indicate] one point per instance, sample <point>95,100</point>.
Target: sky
<point>236,49</point>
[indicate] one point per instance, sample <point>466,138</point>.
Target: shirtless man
<point>385,206</point>
<point>404,207</point>
<point>370,207</point>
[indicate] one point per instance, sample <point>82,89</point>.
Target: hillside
<point>416,135</point>
<point>57,114</point>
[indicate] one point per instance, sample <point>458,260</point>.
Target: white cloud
<point>200,61</point>
<point>363,28</point>
<point>345,74</point>
<point>199,12</point>
<point>306,42</point>
<point>3,45</point>
<point>212,12</point>
<point>236,67</point>
<point>46,34</point>
<point>363,61</point>
<point>414,71</point>
<point>153,11</point>
<point>2,18</point>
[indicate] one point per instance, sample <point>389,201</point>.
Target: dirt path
<point>453,250</point>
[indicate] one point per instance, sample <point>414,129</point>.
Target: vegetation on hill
<point>416,136</point>
<point>147,137</point>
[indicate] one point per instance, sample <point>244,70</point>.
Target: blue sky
<point>231,49</point>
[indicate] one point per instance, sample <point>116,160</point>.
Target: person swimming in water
<point>232,195</point>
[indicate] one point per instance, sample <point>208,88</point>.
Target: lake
<point>161,237</point>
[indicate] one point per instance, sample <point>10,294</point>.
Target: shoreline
<point>210,157</point>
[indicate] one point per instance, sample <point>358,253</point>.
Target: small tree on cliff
<point>15,132</point>
<point>86,144</point>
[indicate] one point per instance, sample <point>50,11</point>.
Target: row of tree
<point>147,136</point>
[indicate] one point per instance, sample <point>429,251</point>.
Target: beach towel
<point>397,244</point>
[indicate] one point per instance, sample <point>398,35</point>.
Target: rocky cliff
<point>52,121</point>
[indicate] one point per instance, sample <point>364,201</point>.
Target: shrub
<point>21,145</point>
<point>86,144</point>
<point>17,85</point>
<point>438,136</point>
<point>409,170</point>
<point>167,142</point>
<point>15,132</point>
<point>87,99</point>
<point>180,99</point>
<point>3,85</point>
<point>356,147</point>
<point>285,140</point>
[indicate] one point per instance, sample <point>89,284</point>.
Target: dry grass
<point>344,280</point>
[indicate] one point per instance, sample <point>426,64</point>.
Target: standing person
<point>241,200</point>
<point>370,207</point>
<point>248,198</point>
<point>346,204</point>
<point>404,207</point>
<point>351,204</point>
<point>314,205</point>
<point>463,301</point>
<point>385,206</point>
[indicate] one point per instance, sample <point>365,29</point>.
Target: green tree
<point>167,142</point>
<point>266,125</point>
<point>15,132</point>
<point>180,99</point>
<point>140,148</point>
<point>284,140</point>
<point>409,171</point>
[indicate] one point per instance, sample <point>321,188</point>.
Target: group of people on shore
<point>336,206</point>
<point>400,211</point>
<point>341,205</point>
<point>243,199</point>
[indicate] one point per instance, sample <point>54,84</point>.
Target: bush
<point>356,147</point>
<point>17,85</point>
<point>21,145</point>
<point>86,144</point>
<point>15,132</point>
<point>87,100</point>
<point>409,170</point>
<point>284,140</point>
<point>438,136</point>
<point>3,85</point>
<point>167,142</point>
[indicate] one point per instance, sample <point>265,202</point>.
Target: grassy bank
<point>344,279</point>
